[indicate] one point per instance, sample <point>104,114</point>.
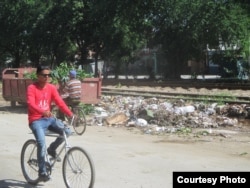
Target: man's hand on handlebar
<point>73,118</point>
<point>47,114</point>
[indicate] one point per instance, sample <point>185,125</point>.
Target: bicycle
<point>81,123</point>
<point>77,166</point>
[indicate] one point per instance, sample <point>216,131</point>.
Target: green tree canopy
<point>116,30</point>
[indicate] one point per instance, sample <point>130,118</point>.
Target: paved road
<point>124,158</point>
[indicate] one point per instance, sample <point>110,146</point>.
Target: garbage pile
<point>153,115</point>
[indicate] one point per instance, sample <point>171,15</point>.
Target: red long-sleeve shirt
<point>39,100</point>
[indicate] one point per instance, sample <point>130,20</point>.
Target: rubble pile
<point>154,115</point>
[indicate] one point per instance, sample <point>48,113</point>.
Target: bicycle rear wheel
<point>29,163</point>
<point>78,169</point>
<point>80,124</point>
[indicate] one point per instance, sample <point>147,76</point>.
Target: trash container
<point>15,86</point>
<point>91,90</point>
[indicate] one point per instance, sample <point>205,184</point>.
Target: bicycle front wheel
<point>29,163</point>
<point>78,169</point>
<point>80,123</point>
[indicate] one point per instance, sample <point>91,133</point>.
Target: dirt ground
<point>126,158</point>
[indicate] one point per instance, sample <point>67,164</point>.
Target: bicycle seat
<point>51,133</point>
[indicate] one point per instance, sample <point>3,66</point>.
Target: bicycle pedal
<point>58,159</point>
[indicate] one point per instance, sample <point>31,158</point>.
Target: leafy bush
<point>30,75</point>
<point>87,108</point>
<point>61,73</point>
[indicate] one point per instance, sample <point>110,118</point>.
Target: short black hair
<point>40,68</point>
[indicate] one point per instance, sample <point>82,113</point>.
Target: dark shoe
<point>44,177</point>
<point>53,154</point>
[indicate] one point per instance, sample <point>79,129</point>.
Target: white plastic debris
<point>141,122</point>
<point>210,111</point>
<point>158,129</point>
<point>184,109</point>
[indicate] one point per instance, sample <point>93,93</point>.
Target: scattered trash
<point>119,118</point>
<point>154,115</point>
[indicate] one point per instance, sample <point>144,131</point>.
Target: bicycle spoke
<point>78,169</point>
<point>29,162</point>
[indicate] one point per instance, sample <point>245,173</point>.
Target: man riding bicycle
<point>40,96</point>
<point>71,93</point>
<point>72,90</point>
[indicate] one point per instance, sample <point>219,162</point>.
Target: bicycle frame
<point>65,146</point>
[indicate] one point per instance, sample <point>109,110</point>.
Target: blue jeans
<point>39,128</point>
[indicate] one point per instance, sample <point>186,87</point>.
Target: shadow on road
<point>9,183</point>
<point>16,109</point>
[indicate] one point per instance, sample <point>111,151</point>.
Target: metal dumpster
<point>91,90</point>
<point>15,86</point>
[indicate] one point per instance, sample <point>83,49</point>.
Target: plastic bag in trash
<point>141,122</point>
